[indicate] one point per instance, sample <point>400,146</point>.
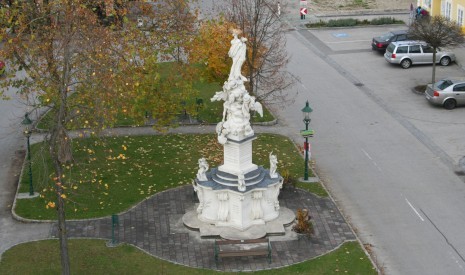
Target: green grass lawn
<point>110,175</point>
<point>208,112</point>
<point>315,188</point>
<point>93,257</point>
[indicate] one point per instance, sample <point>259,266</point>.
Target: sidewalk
<point>155,226</point>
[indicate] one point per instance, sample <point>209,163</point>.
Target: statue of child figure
<point>203,168</point>
<point>273,166</point>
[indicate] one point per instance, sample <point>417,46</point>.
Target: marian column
<point>238,194</point>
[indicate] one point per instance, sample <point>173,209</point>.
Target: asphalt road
<point>381,149</point>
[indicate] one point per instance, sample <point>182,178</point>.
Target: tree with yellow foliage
<point>61,58</point>
<point>210,49</point>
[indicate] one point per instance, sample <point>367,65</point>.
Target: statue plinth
<point>225,206</point>
<point>238,156</point>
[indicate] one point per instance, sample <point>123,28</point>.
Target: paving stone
<point>154,226</point>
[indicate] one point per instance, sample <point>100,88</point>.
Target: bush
<point>384,21</point>
<point>288,179</point>
<point>350,22</point>
<point>303,224</point>
<point>318,24</point>
<point>342,22</point>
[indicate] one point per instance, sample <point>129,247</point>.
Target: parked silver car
<point>408,53</point>
<point>448,92</point>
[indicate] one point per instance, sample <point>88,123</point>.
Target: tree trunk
<point>54,154</point>
<point>65,264</point>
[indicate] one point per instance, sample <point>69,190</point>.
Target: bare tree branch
<point>438,32</point>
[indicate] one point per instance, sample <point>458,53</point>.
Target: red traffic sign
<point>303,11</point>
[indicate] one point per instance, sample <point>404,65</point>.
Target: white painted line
<point>456,261</point>
<point>374,162</point>
<point>366,154</point>
<point>379,169</point>
<point>416,212</point>
<point>347,41</point>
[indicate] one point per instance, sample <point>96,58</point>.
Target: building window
<point>460,16</point>
<point>447,9</point>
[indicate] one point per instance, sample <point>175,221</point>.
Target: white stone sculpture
<point>227,199</point>
<point>273,166</point>
<point>203,168</point>
<point>237,101</point>
<point>237,53</point>
<point>199,192</point>
<point>241,182</point>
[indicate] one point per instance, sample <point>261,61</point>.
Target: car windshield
<point>442,84</point>
<point>386,37</point>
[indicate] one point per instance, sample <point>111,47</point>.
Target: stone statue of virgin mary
<point>237,53</point>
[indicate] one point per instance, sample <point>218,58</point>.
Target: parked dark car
<point>380,43</point>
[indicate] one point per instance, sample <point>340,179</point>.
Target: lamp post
<point>27,122</point>
<point>306,111</point>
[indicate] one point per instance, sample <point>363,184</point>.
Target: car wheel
<point>406,63</point>
<point>445,61</point>
<point>449,104</point>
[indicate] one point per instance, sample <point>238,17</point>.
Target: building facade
<point>451,9</point>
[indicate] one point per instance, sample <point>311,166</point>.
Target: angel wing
<point>258,107</point>
<point>221,95</point>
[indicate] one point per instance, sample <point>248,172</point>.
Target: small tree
<point>437,31</point>
<point>210,48</point>
<point>303,225</point>
<point>60,57</point>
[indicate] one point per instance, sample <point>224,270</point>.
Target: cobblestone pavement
<point>155,226</point>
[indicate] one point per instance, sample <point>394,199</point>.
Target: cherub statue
<point>203,168</point>
<point>273,166</point>
<point>249,103</point>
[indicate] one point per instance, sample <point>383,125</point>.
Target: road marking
<point>456,261</point>
<point>374,162</point>
<point>341,34</point>
<point>416,212</point>
<point>366,154</point>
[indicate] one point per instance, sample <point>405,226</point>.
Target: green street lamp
<point>27,122</point>
<point>306,111</point>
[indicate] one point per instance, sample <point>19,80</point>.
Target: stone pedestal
<point>222,204</point>
<point>238,156</point>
